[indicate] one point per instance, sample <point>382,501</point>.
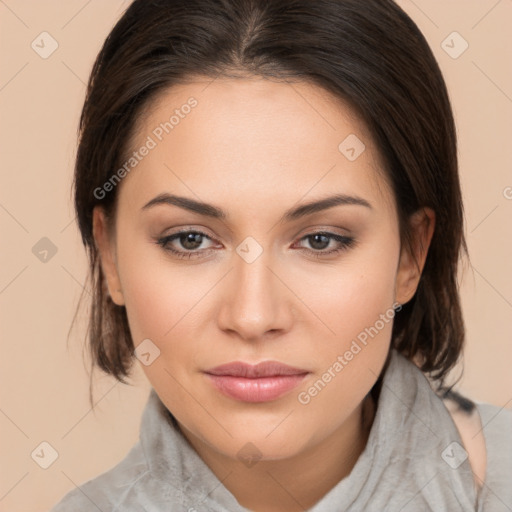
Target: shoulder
<point>469,425</point>
<point>486,433</point>
<point>107,490</point>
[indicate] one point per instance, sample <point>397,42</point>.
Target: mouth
<point>263,382</point>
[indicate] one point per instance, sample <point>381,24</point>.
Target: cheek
<point>159,295</point>
<point>356,304</point>
<point>357,307</point>
<point>353,296</point>
<point>163,305</point>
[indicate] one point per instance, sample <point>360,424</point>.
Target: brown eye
<point>189,243</point>
<point>321,240</point>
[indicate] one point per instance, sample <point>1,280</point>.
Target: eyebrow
<point>292,214</point>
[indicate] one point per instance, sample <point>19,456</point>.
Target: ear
<point>411,264</point>
<point>106,248</point>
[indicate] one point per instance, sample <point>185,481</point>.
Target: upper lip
<point>263,369</point>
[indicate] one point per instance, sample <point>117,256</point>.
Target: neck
<point>298,482</point>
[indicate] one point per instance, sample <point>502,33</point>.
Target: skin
<point>257,148</point>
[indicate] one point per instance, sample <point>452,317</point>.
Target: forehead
<point>252,140</point>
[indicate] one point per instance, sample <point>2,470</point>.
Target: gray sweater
<point>413,462</point>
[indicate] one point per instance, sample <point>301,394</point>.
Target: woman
<point>269,196</point>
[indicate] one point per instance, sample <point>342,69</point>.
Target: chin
<point>263,443</point>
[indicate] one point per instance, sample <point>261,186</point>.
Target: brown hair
<point>370,54</point>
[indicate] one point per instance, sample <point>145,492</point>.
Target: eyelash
<point>345,241</point>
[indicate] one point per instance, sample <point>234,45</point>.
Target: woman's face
<point>266,278</point>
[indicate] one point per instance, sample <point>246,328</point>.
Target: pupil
<point>192,240</point>
<point>324,243</point>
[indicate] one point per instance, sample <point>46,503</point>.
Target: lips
<point>263,382</point>
<point>264,369</point>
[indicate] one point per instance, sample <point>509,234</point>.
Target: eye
<point>192,240</point>
<point>322,239</point>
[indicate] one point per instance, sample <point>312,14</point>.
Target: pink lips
<point>255,383</point>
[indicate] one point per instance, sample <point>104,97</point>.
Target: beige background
<point>44,387</point>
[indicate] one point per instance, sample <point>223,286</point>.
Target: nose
<point>256,303</point>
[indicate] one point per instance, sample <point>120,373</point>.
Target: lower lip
<point>262,389</point>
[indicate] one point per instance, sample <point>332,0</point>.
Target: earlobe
<point>411,263</point>
<point>106,250</point>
